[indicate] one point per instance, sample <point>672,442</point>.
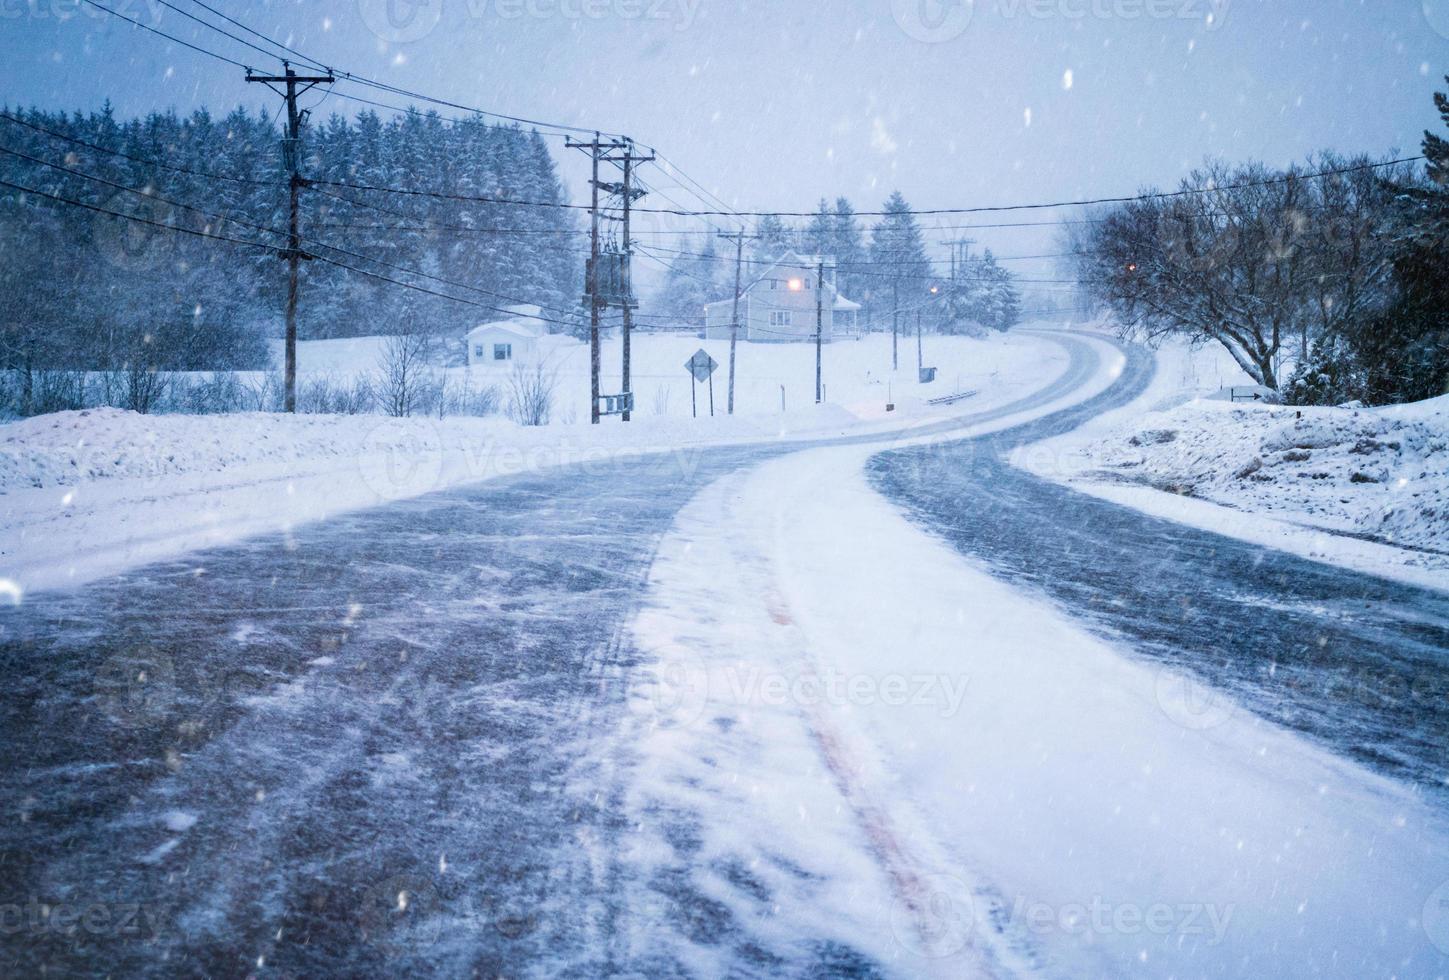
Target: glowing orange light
<point>796,285</point>
<point>1132,267</point>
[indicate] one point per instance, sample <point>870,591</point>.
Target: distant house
<point>503,342</point>
<point>780,305</point>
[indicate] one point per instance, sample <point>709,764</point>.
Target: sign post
<point>701,368</point>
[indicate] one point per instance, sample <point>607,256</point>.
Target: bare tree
<point>531,390</point>
<point>403,372</point>
<point>1248,257</point>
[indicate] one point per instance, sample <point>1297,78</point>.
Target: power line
<point>180,229</point>
<point>929,212</point>
<point>185,44</point>
<point>268,230</point>
<point>560,128</point>
<point>135,159</point>
<point>859,268</point>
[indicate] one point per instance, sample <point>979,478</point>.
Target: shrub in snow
<point>531,394</point>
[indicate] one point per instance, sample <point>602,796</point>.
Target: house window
<point>781,318</point>
<point>478,352</point>
<point>503,352</point>
<point>774,283</point>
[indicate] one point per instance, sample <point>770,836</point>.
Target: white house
<point>503,342</point>
<point>780,305</point>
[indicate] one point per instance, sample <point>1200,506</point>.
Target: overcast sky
<point>773,103</point>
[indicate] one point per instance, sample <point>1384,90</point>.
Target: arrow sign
<point>701,365</point>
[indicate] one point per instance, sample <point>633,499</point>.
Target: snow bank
<point>92,493</point>
<point>1381,474</point>
<point>1214,440</point>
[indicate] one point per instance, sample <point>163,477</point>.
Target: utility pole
<point>292,157</point>
<point>593,277</point>
<point>819,325</point>
<point>959,245</point>
<point>895,325</point>
<point>630,194</point>
<point>739,239</point>
<point>597,149</point>
<point>920,361</point>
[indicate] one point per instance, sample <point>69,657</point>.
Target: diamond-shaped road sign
<point>701,365</point>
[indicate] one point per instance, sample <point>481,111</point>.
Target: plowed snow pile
<point>1377,473</point>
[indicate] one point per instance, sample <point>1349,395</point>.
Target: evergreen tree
<point>136,293</point>
<point>849,250</point>
<point>899,268</point>
<point>818,238</point>
<point>773,241</point>
<point>695,277</point>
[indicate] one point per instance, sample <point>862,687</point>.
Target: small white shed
<point>503,342</point>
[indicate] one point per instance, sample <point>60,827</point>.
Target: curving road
<point>353,749</point>
<point>1356,662</point>
<point>363,747</point>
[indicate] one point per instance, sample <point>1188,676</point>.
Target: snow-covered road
<point>701,712</point>
<point>1034,800</point>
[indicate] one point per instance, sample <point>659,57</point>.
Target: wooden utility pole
<point>959,245</point>
<point>597,150</point>
<point>920,361</point>
<point>739,239</point>
<point>292,156</point>
<point>594,304</point>
<point>819,326</point>
<point>630,194</point>
<point>895,325</point>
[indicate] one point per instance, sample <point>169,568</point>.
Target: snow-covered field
<point>1362,488</point>
<point>857,374</point>
<point>93,492</point>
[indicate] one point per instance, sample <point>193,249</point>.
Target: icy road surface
<point>445,737</point>
<point>360,748</point>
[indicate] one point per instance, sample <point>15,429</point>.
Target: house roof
<point>518,328</point>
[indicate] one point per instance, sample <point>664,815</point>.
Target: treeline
<point>886,270</point>
<point>88,291</point>
<point>1328,281</point>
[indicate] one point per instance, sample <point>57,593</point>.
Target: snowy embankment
<point>1380,474</point>
<point>1361,488</point>
<point>913,755</point>
<point>91,493</point>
